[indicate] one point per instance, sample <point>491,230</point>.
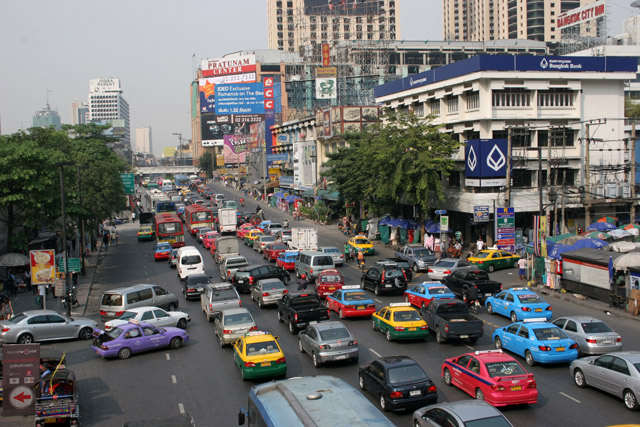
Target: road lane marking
<point>168,357</point>
<point>375,352</point>
<point>181,408</point>
<point>173,379</point>
<point>469,347</point>
<point>377,300</point>
<point>569,397</point>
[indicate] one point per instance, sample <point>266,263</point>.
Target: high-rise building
<point>299,25</point>
<point>143,144</point>
<point>107,104</point>
<point>46,118</point>
<point>79,113</point>
<point>480,20</point>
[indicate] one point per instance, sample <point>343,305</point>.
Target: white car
<point>152,315</point>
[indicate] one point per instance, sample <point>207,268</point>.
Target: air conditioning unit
<point>598,191</point>
<point>611,190</point>
<point>626,191</point>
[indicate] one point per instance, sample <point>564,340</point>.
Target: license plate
<point>487,295</point>
<point>412,329</point>
<point>516,388</point>
<point>560,349</point>
<point>538,309</point>
<point>332,289</point>
<point>199,289</point>
<point>265,364</point>
<point>342,356</point>
<point>387,286</point>
<point>607,341</point>
<point>415,393</point>
<point>464,336</point>
<point>361,307</point>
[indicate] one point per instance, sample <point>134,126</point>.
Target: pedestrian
<point>6,310</point>
<point>10,283</point>
<point>346,252</point>
<point>94,243</point>
<point>352,253</point>
<point>105,241</point>
<point>302,282</point>
<point>479,244</point>
<point>113,236</point>
<point>457,249</point>
<point>522,268</point>
<point>27,279</point>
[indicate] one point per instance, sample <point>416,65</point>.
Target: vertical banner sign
<point>269,101</point>
<point>20,371</point>
<point>444,224</point>
<point>326,55</point>
<point>543,236</point>
<point>505,226</point>
<point>326,83</point>
<point>43,268</point>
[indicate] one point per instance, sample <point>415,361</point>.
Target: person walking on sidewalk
<point>6,310</point>
<point>522,268</point>
<point>105,240</point>
<point>114,236</point>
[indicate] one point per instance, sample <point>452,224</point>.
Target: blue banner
<point>283,157</point>
<point>485,158</point>
<point>240,98</point>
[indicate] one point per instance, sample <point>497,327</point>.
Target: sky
<point>53,48</point>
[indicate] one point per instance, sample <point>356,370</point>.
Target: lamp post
<point>83,270</point>
<point>61,165</point>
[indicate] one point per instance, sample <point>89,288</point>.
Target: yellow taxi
<point>400,321</point>
<point>251,236</point>
<point>493,259</point>
<point>361,244</point>
<point>145,232</point>
<point>185,192</point>
<point>258,355</point>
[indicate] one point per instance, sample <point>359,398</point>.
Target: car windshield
<point>330,250</point>
<point>549,334</point>
<point>17,318</point>
<point>127,315</point>
<point>236,262</point>
<point>278,247</point>
<point>237,319</point>
<point>267,239</point>
<point>224,294</point>
<point>191,259</point>
<point>445,264</point>
<point>356,296</point>
<point>163,247</point>
<point>334,334</point>
<point>478,275</point>
<point>421,252</point>
<point>203,231</point>
<point>115,333</point>
<point>497,421</point>
<point>274,225</point>
<point>482,255</point>
<point>330,278</point>
<point>505,369</point>
<point>272,285</point>
<point>265,347</point>
<point>242,274</point>
<point>322,260</point>
<point>112,299</point>
<point>196,280</point>
<point>595,327</point>
<point>406,316</point>
<point>405,374</point>
<point>403,264</point>
<point>362,242</point>
<point>529,299</point>
<point>439,290</point>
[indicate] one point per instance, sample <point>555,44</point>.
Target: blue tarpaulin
<point>292,198</point>
<point>601,226</point>
<point>279,195</point>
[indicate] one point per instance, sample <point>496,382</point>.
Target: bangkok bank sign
<point>233,64</point>
<point>581,14</point>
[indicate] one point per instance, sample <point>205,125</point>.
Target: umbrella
<point>601,226</point>
<point>609,219</point>
<point>13,260</point>
<point>572,239</point>
<point>590,243</point>
<point>597,235</point>
<point>631,259</point>
<point>619,234</point>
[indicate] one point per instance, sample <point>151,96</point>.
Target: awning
<point>322,194</point>
<point>273,184</point>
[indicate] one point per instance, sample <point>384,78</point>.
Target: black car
<point>402,263</point>
<point>398,382</point>
<point>383,278</point>
<point>247,276</point>
<point>194,284</point>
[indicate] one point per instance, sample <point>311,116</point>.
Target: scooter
<point>73,295</point>
<point>475,307</point>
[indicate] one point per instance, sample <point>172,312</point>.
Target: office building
<point>106,104</point>
<point>46,118</point>
<point>79,113</point>
<point>143,144</point>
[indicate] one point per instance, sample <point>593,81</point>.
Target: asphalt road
<point>201,378</point>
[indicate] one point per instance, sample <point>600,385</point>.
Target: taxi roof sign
<point>256,333</point>
<point>400,304</point>
<point>520,289</point>
<point>535,319</point>
<point>479,352</point>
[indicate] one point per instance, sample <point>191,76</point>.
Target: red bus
<point>169,229</point>
<point>196,216</point>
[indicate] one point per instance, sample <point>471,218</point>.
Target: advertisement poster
<point>505,225</point>
<point>235,149</point>
<point>20,372</point>
<point>207,88</point>
<point>43,267</point>
<point>240,98</point>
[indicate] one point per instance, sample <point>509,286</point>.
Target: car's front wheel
<point>85,333</point>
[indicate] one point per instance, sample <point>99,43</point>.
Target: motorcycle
<point>474,308</point>
<point>73,295</point>
<point>241,202</point>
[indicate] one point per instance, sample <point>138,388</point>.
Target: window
<point>452,105</point>
<point>511,98</point>
<point>555,98</point>
<point>561,137</point>
<point>418,110</point>
<point>473,101</point>
<point>571,326</point>
<point>434,106</point>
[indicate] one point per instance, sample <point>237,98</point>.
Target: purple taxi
<point>135,337</point>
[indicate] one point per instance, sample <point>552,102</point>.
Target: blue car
<point>519,304</point>
<point>351,301</point>
<point>162,251</point>
<point>537,341</point>
<point>421,295</point>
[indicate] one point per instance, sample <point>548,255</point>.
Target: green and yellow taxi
<point>400,321</point>
<point>361,244</point>
<point>145,232</point>
<point>258,355</point>
<point>494,259</point>
<point>251,236</point>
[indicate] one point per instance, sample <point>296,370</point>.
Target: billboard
<point>104,85</point>
<point>581,14</point>
<point>485,160</point>
<point>232,64</point>
<point>241,98</point>
<point>43,267</point>
<point>215,127</point>
<point>342,7</point>
<point>207,88</point>
<point>235,148</point>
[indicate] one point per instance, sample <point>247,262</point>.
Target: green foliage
<point>205,163</point>
<point>631,109</point>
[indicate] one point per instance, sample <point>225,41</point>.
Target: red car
<point>493,376</point>
<point>209,237</point>
<point>272,250</point>
<point>351,301</point>
<point>287,260</point>
<point>328,281</point>
<point>244,229</point>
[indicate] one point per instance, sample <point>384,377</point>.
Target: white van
<point>189,262</point>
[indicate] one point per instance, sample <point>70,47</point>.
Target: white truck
<point>227,220</point>
<point>225,247</point>
<point>304,239</point>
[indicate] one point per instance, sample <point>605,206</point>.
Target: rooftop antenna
<point>48,91</point>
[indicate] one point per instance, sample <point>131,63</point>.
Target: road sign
<point>73,263</point>
<point>444,224</point>
<point>21,370</point>
<point>441,212</point>
<point>21,397</point>
<point>481,214</point>
<point>128,183</point>
<point>505,225</point>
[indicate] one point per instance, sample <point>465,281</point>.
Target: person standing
<point>479,244</point>
<point>27,279</point>
<point>522,268</point>
<point>105,240</point>
<point>6,310</point>
<point>346,252</point>
<point>114,236</point>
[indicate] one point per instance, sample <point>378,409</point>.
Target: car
<point>421,295</point>
<point>398,382</point>
<point>193,285</point>
<point>146,233</point>
<point>351,301</point>
<point>338,257</point>
<point>592,335</point>
<point>136,337</point>
<point>217,297</point>
<point>44,325</point>
<point>287,260</point>
<point>262,225</point>
<point>492,376</point>
<point>257,354</point>
<point>246,276</point>
<point>230,264</point>
<point>537,341</point>
<point>399,321</point>
<point>173,258</point>
<point>460,413</point>
<point>252,235</point>
<point>615,373</point>
<point>233,323</point>
<point>272,250</point>
<point>242,230</point>
<point>328,281</point>
<point>385,278</point>
<point>444,267</point>
<point>162,251</point>
<point>154,316</point>
<point>518,304</point>
<point>362,244</point>
<point>209,238</point>
<point>402,264</point>
<point>328,342</point>
<point>202,232</point>
<point>494,259</point>
<point>272,228</point>
<point>261,242</point>
<point>283,236</point>
<point>267,291</point>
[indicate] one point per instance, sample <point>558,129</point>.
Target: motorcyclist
<point>361,259</point>
<point>471,296</point>
<point>241,201</point>
<point>302,282</point>
<point>285,224</point>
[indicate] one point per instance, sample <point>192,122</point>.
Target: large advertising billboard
<point>43,267</point>
<point>232,64</point>
<point>215,127</point>
<point>235,149</point>
<point>486,161</point>
<point>207,88</point>
<point>581,14</point>
<point>240,98</point>
<point>341,7</point>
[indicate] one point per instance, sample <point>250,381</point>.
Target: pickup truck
<point>225,247</point>
<point>464,278</point>
<point>418,257</point>
<point>450,318</point>
<point>298,309</point>
<point>230,265</point>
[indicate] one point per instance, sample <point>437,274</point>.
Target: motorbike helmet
<point>303,276</point>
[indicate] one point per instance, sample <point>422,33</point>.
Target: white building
<point>79,113</point>
<point>144,144</point>
<point>539,101</point>
<point>106,103</point>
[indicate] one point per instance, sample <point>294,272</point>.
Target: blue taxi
<point>162,251</point>
<point>518,304</point>
<point>422,294</point>
<point>351,301</point>
<point>537,341</point>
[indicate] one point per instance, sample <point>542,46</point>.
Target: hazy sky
<point>147,44</point>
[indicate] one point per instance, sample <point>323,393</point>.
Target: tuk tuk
<point>56,398</point>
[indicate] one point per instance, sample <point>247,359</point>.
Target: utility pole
<point>632,180</point>
<point>507,199</point>
<point>587,178</point>
<point>64,236</point>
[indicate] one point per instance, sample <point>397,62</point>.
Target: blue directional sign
<point>441,212</point>
<point>505,227</point>
<point>481,214</point>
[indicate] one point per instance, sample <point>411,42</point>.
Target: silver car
<point>44,325</point>
<point>261,242</point>
<point>461,413</point>
<point>445,267</point>
<point>616,373</point>
<point>218,297</point>
<point>338,257</point>
<point>283,236</point>
<point>230,265</point>
<point>152,315</point>
<point>327,342</point>
<point>592,335</point>
<point>232,324</point>
<point>267,291</point>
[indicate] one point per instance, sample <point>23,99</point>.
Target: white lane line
<point>181,408</point>
<point>569,397</point>
<point>375,352</point>
<point>168,357</point>
<point>173,379</point>
<point>469,347</point>
<point>377,300</point>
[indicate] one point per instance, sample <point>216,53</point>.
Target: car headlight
<point>421,262</point>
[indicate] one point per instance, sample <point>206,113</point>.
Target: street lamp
<point>83,270</point>
<point>61,165</point>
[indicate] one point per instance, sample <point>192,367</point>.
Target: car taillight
<point>265,294</point>
<point>249,364</point>
<point>399,328</point>
<point>429,270</point>
<point>328,313</point>
<point>432,389</point>
<point>497,387</point>
<point>250,279</point>
<point>619,339</point>
<point>549,308</point>
<point>532,384</point>
<point>104,347</point>
<point>446,328</point>
<point>396,394</point>
<point>404,274</point>
<point>592,341</point>
<point>253,328</point>
<point>210,306</point>
<point>6,329</point>
<point>479,262</point>
<point>239,303</point>
<point>227,331</point>
<point>119,313</point>
<point>295,317</point>
<point>286,291</point>
<point>573,346</point>
<point>447,272</point>
<point>103,313</point>
<point>526,309</point>
<point>190,290</point>
<point>281,360</point>
<point>352,343</point>
<point>311,271</point>
<point>423,327</point>
<point>544,348</point>
<point>325,347</point>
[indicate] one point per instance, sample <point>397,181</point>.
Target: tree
<point>205,163</point>
<point>631,109</point>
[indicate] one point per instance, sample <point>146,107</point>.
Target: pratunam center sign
<point>580,15</point>
<point>233,64</point>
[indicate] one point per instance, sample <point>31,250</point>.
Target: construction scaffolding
<point>585,35</point>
